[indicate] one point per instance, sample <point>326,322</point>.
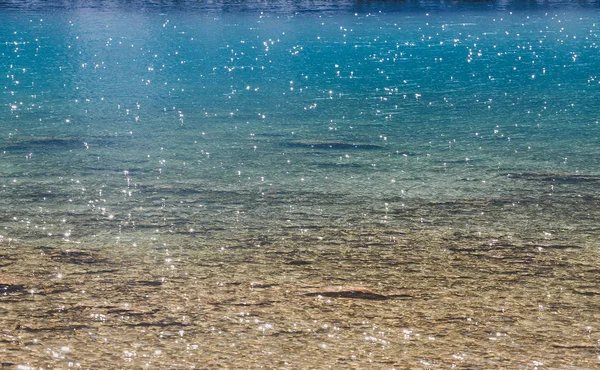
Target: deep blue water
<point>122,118</point>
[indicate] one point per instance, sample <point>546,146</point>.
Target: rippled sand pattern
<point>372,296</point>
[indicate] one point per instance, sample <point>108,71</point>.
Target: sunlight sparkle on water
<point>351,179</point>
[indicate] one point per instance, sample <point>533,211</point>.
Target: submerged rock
<point>350,292</point>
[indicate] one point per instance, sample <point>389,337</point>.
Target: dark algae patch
<point>555,177</point>
<point>331,145</point>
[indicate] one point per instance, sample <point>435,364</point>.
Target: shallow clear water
<point>300,185</point>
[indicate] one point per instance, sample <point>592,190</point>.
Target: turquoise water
<point>311,128</point>
<point>111,114</point>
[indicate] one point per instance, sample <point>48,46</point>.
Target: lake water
<point>300,184</point>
